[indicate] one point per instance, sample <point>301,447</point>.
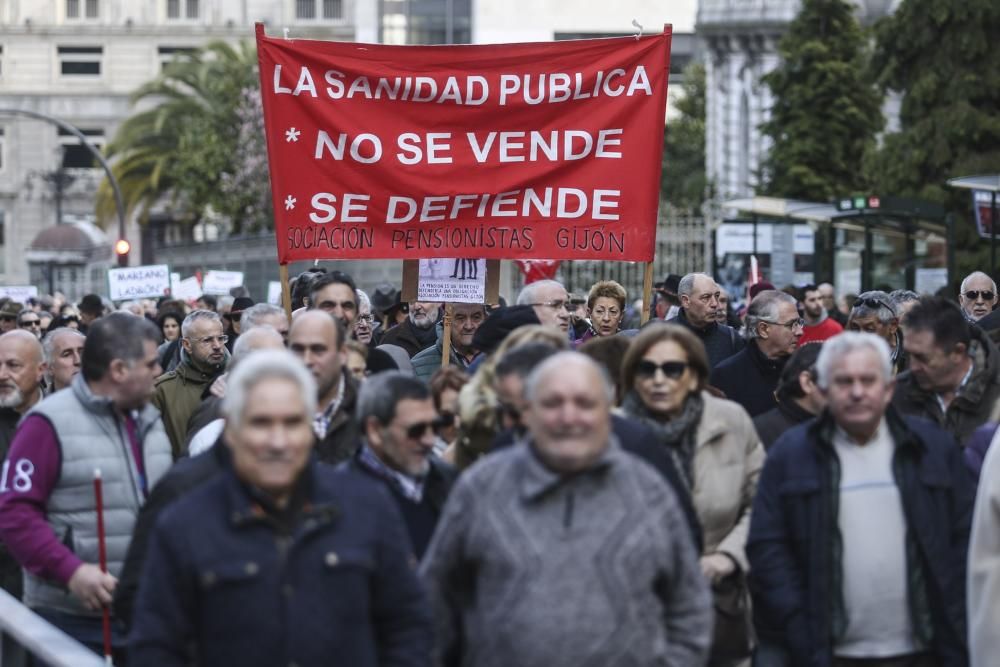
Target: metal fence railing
<point>39,638</point>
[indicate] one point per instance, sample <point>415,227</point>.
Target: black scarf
<point>678,434</point>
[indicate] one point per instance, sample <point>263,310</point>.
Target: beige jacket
<point>983,593</point>
<point>727,461</point>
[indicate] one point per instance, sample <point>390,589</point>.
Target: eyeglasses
<point>874,303</point>
<point>445,419</point>
<point>790,324</point>
<point>364,319</point>
<point>554,305</point>
<point>31,323</point>
<point>7,318</point>
<point>417,431</point>
<point>672,369</point>
<point>602,313</point>
<point>222,340</point>
<point>508,410</point>
<point>973,295</point>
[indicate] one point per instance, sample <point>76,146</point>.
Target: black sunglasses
<point>445,419</point>
<point>672,369</point>
<point>973,295</point>
<point>509,410</point>
<point>416,431</point>
<point>874,303</point>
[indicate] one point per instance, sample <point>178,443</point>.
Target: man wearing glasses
<point>30,322</point>
<point>203,358</point>
<point>978,296</point>
<point>550,302</point>
<point>873,312</point>
<point>750,377</point>
<point>397,418</point>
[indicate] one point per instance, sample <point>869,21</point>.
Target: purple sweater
<point>30,473</point>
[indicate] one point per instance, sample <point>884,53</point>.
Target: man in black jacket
<point>750,377</point>
<point>860,528</point>
<point>798,395</point>
<point>397,416</point>
<point>700,307</point>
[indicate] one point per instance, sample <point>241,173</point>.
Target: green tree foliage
<point>684,184</point>
<point>187,149</point>
<point>943,57</point>
<point>826,114</point>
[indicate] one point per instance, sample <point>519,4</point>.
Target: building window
<point>80,60</point>
<point>82,9</point>
<point>167,54</point>
<point>75,154</point>
<point>309,10</point>
<point>425,21</point>
<point>182,9</point>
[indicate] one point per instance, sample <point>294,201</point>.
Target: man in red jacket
<point>819,325</point>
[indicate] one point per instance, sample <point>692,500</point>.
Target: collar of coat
<point>537,480</point>
<point>249,507</point>
<point>985,371</point>
<point>902,435</point>
<point>103,405</point>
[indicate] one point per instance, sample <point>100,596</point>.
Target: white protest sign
<point>454,280</point>
<point>220,282</point>
<point>188,289</point>
<point>19,293</point>
<point>138,282</point>
<point>274,293</point>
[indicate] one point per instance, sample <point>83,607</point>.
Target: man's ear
<point>372,430</point>
<point>117,370</point>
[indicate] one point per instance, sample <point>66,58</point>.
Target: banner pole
<point>286,291</point>
<point>449,310</point>
<point>647,292</point>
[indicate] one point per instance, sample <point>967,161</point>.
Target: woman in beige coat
<point>715,449</point>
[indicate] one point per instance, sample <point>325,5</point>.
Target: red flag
<point>508,151</point>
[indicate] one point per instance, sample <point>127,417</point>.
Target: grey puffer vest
<point>91,437</point>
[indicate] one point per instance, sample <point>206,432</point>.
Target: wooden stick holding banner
<point>286,291</point>
<point>449,313</point>
<point>647,292</point>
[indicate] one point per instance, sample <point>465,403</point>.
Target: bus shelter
<point>858,243</point>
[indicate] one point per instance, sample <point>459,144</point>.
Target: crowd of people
<point>790,484</point>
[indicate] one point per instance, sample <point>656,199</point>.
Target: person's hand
<point>92,586</point>
<point>218,388</point>
<point>717,566</point>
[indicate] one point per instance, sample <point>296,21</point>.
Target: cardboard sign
<point>220,282</point>
<point>452,280</point>
<point>19,293</point>
<point>138,282</point>
<point>274,293</point>
<point>503,151</point>
<point>188,289</point>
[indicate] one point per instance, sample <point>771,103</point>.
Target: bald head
<point>569,413</point>
<point>21,370</point>
<point>317,338</point>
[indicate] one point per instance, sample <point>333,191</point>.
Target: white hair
<point>685,287</point>
<point>764,308</point>
<point>364,303</point>
<point>252,316</point>
<point>836,348</point>
<point>527,296</point>
<point>250,341</point>
<point>196,315</point>
<point>559,362</point>
<point>262,366</point>
<point>49,342</point>
<point>977,274</point>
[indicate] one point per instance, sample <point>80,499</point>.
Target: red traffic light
<point>122,247</point>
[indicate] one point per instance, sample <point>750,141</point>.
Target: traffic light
<point>866,203</point>
<point>122,248</point>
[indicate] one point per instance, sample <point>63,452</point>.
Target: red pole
<point>102,556</point>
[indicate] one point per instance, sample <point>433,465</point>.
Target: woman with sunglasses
<point>715,448</point>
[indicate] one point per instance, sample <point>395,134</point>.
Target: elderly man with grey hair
<point>566,550</point>
<point>550,302</point>
<point>977,296</point>
<point>700,306</point>
<point>397,417</point>
<point>866,569</point>
<point>773,329</point>
<point>264,314</point>
<point>203,359</point>
<point>63,350</point>
<point>279,560</point>
<point>875,312</point>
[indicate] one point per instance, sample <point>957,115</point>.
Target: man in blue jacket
<point>280,560</point>
<point>860,528</point>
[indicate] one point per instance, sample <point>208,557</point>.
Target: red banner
<point>512,151</point>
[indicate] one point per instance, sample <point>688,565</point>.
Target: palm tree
<point>174,152</point>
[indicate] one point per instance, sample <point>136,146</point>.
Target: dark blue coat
<point>749,378</point>
<point>794,541</point>
<point>223,585</point>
